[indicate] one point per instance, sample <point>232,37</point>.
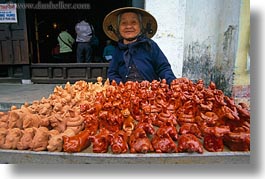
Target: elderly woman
<point>136,57</point>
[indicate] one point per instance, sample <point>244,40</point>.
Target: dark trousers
<point>83,52</point>
<point>67,57</point>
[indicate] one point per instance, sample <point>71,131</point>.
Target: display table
<point>30,157</point>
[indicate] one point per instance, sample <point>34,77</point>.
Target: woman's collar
<point>140,39</point>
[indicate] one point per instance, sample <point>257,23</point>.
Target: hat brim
<point>110,23</point>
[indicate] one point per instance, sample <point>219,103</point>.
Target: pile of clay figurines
<point>135,117</point>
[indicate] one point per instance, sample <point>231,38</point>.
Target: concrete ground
<point>17,94</point>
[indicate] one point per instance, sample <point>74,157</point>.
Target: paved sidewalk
<point>18,94</point>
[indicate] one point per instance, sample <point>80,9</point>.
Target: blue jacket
<point>148,58</point>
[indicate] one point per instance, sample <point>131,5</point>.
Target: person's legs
<point>88,55</point>
<point>79,53</point>
<point>68,57</point>
<point>64,57</point>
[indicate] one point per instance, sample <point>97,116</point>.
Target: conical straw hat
<point>110,23</point>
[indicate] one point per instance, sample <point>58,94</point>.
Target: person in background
<point>83,31</point>
<point>66,42</point>
<point>108,51</point>
<point>137,57</point>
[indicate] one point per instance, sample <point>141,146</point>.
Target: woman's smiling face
<point>129,27</point>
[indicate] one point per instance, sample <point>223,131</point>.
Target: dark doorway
<point>43,24</point>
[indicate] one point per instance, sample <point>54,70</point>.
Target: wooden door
<point>14,40</point>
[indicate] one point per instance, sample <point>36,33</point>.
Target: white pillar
<point>170,16</point>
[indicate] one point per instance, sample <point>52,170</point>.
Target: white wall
<point>199,37</point>
<point>211,41</point>
<point>170,16</point>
